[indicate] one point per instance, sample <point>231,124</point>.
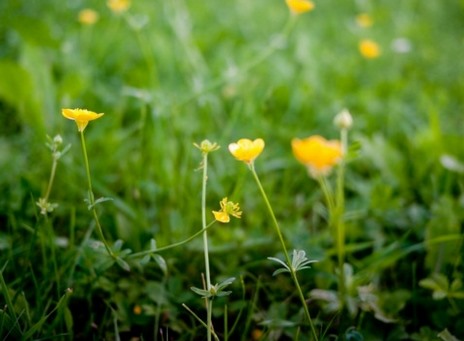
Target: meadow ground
<point>105,231</point>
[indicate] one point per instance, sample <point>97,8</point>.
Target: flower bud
<point>343,120</point>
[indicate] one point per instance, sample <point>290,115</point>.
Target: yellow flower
<point>88,16</point>
<point>300,6</point>
<point>118,6</point>
<point>369,49</point>
<point>317,154</point>
<point>80,116</point>
<point>137,309</point>
<point>364,20</point>
<point>246,150</point>
<point>228,208</point>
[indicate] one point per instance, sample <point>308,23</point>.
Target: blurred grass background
<point>170,73</point>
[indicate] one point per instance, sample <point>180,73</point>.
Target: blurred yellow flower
<point>118,6</point>
<point>317,154</point>
<point>364,20</point>
<point>88,16</point>
<point>246,150</point>
<point>137,309</point>
<point>228,208</point>
<point>80,116</point>
<point>257,334</point>
<point>369,48</point>
<point>300,6</point>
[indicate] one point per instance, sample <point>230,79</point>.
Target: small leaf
<point>203,293</point>
<point>145,260</point>
<point>122,263</point>
<point>223,293</point>
<point>117,245</point>
<point>279,271</point>
<point>153,246</point>
<point>161,263</point>
<point>447,336</point>
<point>224,283</point>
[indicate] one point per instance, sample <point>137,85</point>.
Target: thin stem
<point>171,246</point>
<point>327,194</point>
<point>284,248</point>
<point>338,218</point>
<point>92,198</point>
<point>209,303</point>
<point>52,178</point>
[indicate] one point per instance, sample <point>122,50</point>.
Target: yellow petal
<point>88,16</point>
<point>118,6</point>
<point>80,116</point>
<point>369,49</point>
<point>318,154</point>
<point>221,216</point>
<point>364,20</point>
<point>247,150</point>
<point>300,6</point>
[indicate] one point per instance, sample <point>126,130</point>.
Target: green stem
<point>338,218</point>
<point>284,248</point>
<point>209,302</point>
<point>52,178</point>
<point>92,198</point>
<point>171,246</point>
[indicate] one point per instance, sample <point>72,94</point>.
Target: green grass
<point>168,74</point>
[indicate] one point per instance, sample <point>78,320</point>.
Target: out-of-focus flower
<point>246,150</point>
<point>228,208</point>
<point>137,309</point>
<point>88,16</point>
<point>206,146</point>
<point>80,116</point>
<point>401,45</point>
<point>343,120</point>
<point>300,6</point>
<point>118,6</point>
<point>257,334</point>
<point>369,48</point>
<point>317,154</point>
<point>364,20</point>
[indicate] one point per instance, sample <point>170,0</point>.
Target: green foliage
<point>168,74</point>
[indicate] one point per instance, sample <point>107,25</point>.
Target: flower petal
<point>221,216</point>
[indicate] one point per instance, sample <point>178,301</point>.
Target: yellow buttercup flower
<point>369,49</point>
<point>228,208</point>
<point>246,150</point>
<point>300,6</point>
<point>88,16</point>
<point>364,20</point>
<point>80,116</point>
<point>317,154</point>
<point>118,6</point>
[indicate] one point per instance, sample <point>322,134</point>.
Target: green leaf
<point>447,336</point>
<point>123,264</point>
<point>203,293</point>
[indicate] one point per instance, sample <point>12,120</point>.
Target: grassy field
<point>111,252</point>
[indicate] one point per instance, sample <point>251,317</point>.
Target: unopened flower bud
<point>343,120</point>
